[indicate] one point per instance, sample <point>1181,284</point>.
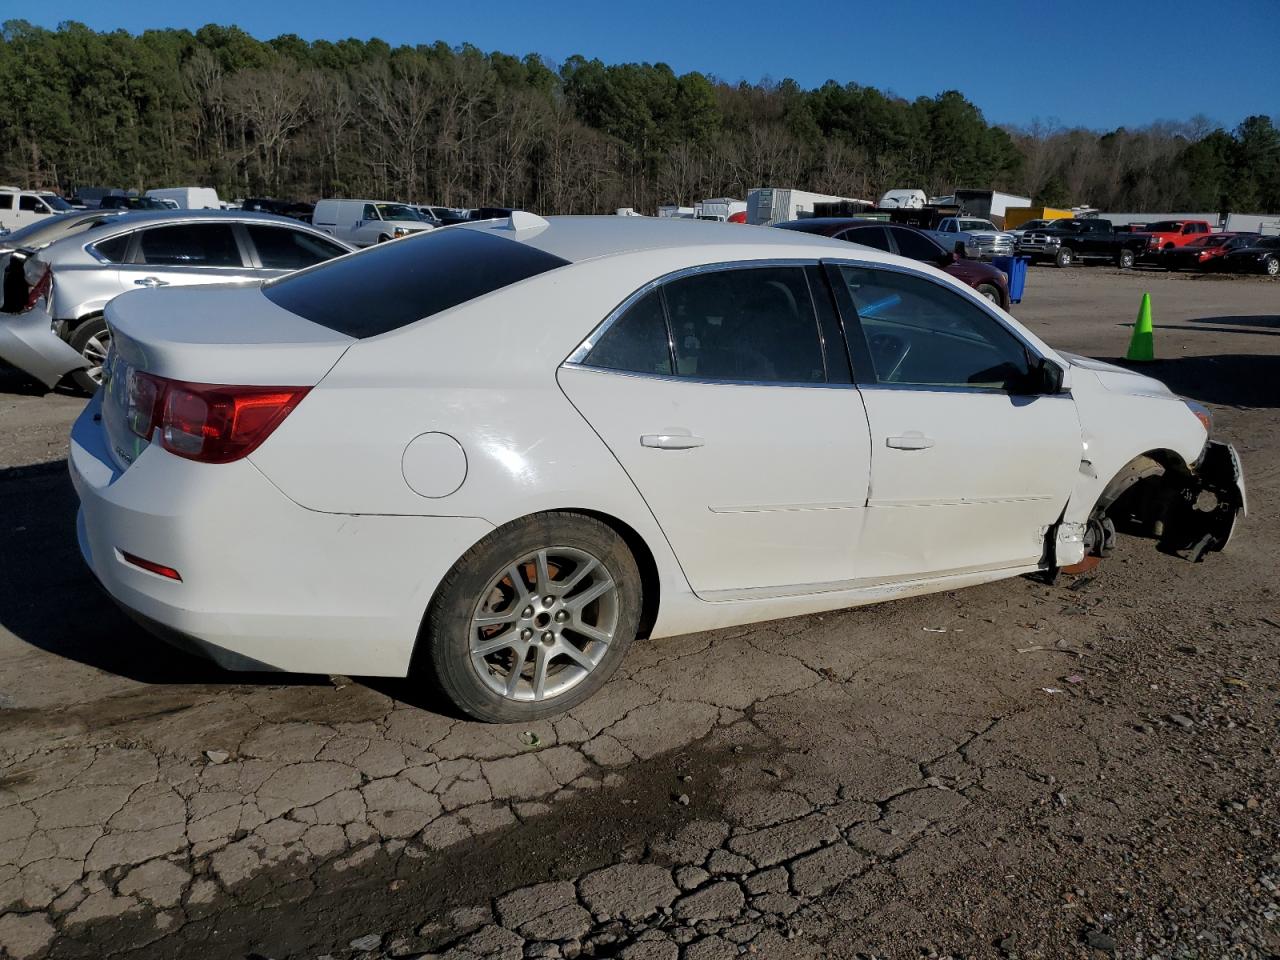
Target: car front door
<point>183,254</point>
<point>368,228</point>
<point>726,395</point>
<point>970,466</point>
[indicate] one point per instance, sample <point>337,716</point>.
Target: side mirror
<point>1046,376</point>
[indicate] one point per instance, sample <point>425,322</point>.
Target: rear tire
<point>990,291</point>
<point>1271,267</point>
<point>1126,259</point>
<point>1065,257</point>
<point>91,340</point>
<point>513,653</point>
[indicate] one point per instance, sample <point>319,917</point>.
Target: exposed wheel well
<point>1153,463</point>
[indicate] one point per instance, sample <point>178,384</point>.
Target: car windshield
<point>56,202</point>
<point>976,225</point>
<point>397,211</point>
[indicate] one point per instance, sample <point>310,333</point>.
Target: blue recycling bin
<point>1015,268</point>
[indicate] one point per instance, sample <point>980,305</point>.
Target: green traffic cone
<point>1142,345</point>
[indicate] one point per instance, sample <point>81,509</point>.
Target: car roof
<point>579,238</point>
<point>132,220</point>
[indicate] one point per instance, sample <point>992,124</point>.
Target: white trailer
<point>189,198</point>
<point>767,205</point>
<point>676,212</point>
<point>719,208</point>
<point>988,203</point>
<point>904,199</point>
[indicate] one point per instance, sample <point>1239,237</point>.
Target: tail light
<point>207,422</point>
<point>42,284</point>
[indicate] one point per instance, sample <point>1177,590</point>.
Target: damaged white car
<point>497,453</point>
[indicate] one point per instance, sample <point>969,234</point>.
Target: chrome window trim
<point>673,378</point>
<point>579,355</point>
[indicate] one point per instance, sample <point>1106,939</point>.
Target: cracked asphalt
<point>1016,770</point>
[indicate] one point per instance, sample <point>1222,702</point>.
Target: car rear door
<point>183,254</point>
<point>275,250</point>
<point>969,469</point>
<point>726,395</point>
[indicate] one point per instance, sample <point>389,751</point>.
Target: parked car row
<point>1171,244</point>
<point>58,282</point>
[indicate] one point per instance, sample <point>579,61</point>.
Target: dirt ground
<point>1013,770</point>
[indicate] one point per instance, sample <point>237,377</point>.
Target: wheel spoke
<point>496,619</point>
<point>579,575</point>
<point>590,632</point>
<point>576,655</point>
<point>543,579</point>
<point>593,592</point>
<point>518,584</point>
<point>541,657</point>
<point>517,669</point>
<point>494,644</point>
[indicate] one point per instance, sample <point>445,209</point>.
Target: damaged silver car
<point>52,326</point>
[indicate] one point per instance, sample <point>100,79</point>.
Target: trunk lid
<point>220,335</point>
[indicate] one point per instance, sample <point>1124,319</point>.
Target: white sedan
<point>494,454</point>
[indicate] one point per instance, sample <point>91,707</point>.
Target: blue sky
<point>1096,63</point>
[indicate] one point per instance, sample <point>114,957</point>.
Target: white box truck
<point>188,198</point>
<point>719,208</point>
<point>767,205</point>
<point>990,204</point>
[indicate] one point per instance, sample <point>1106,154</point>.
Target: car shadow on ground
<point>50,600</point>
<point>1233,380</point>
<point>1255,320</point>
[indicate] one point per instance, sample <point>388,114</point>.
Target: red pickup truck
<point>1167,234</point>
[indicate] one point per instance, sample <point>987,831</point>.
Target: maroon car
<point>912,243</point>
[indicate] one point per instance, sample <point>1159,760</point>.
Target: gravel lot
<point>1012,770</point>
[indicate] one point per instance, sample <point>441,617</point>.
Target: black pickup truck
<point>1067,241</point>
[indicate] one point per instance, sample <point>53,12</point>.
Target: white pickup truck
<point>985,236</point>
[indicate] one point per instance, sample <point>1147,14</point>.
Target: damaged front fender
<point>1191,512</point>
<point>27,341</point>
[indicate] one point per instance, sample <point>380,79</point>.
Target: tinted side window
<point>280,248</point>
<point>916,245</point>
<point>6,201</point>
<point>637,340</point>
<point>754,324</point>
<point>190,245</point>
<point>370,212</point>
<point>32,204</point>
<point>868,237</point>
<point>114,249</point>
<point>919,332</point>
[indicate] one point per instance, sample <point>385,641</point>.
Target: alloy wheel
<point>95,352</point>
<point>543,624</point>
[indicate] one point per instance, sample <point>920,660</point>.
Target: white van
<point>363,223</point>
<point>188,198</point>
<point>21,208</point>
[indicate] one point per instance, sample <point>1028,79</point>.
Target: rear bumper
<point>266,584</point>
<point>27,341</point>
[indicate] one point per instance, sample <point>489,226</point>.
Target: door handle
<point>911,440</point>
<point>151,282</point>
<point>671,441</point>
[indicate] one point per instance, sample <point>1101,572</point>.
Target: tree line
<point>460,127</point>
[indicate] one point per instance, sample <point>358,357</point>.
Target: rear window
<point>397,283</point>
